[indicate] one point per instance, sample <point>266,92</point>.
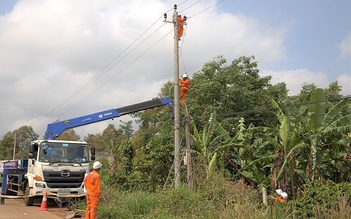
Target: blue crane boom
<point>54,130</point>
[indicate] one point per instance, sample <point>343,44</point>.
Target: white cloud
<point>344,80</point>
<point>232,36</point>
<point>345,48</point>
<point>53,51</point>
<point>294,79</point>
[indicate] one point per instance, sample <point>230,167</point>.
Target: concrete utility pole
<point>176,100</point>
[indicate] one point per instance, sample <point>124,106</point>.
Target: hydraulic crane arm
<point>54,130</point>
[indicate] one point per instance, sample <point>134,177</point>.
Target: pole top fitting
<point>165,16</point>
<point>175,7</point>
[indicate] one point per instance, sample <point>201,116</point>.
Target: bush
<point>322,198</point>
<point>218,198</point>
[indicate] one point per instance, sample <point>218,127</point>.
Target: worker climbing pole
<point>185,83</point>
<point>181,23</point>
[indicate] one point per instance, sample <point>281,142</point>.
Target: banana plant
<point>114,150</point>
<point>307,132</point>
<point>205,143</point>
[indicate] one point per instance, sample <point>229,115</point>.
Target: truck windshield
<point>63,152</point>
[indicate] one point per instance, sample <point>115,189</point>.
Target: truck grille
<point>54,179</point>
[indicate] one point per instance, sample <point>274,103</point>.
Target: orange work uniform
<point>92,185</point>
<point>279,198</point>
<point>185,83</point>
<point>180,26</point>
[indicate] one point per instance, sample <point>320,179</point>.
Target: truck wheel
<point>28,201</point>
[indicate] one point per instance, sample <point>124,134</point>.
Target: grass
<point>217,199</point>
<point>185,203</point>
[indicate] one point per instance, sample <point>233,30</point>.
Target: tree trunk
<point>113,164</point>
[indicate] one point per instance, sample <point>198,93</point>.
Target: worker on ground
<point>180,25</point>
<point>185,83</point>
<point>281,196</point>
<point>93,187</point>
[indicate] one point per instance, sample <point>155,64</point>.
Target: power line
<point>190,6</point>
<point>106,68</point>
<point>113,63</point>
<point>117,73</point>
<point>254,111</point>
<point>205,9</point>
<point>13,107</point>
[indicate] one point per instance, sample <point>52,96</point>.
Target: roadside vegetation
<point>247,136</point>
<point>218,198</point>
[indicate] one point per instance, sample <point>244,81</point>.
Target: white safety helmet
<point>279,191</point>
<point>185,75</point>
<point>97,165</point>
<point>284,195</point>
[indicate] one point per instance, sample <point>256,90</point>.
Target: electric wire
<point>7,107</point>
<point>103,71</point>
<point>106,68</point>
<point>127,66</point>
<point>205,9</point>
<point>181,48</point>
<point>110,65</point>
<point>180,52</point>
<point>190,6</point>
<point>113,63</point>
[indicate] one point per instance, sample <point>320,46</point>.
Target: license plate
<point>63,191</point>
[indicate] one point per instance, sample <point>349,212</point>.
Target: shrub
<point>321,198</point>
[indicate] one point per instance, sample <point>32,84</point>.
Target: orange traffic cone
<point>44,203</point>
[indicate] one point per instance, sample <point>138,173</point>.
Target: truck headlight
<point>40,185</point>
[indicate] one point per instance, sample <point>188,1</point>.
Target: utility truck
<point>58,167</point>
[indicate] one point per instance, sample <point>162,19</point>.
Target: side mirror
<point>93,153</point>
<point>33,147</point>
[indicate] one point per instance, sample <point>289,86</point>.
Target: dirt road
<point>15,208</point>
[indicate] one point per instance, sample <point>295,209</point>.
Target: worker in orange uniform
<point>281,196</point>
<point>185,83</point>
<point>180,25</point>
<point>93,187</point>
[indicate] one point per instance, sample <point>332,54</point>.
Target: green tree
<point>23,134</point>
<point>153,146</point>
<point>120,139</point>
<point>97,141</point>
<point>69,135</point>
<point>233,91</point>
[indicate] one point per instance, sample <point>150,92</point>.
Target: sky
<point>64,59</point>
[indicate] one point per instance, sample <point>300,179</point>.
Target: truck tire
<point>28,201</point>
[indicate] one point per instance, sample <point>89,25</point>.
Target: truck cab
<point>56,166</point>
